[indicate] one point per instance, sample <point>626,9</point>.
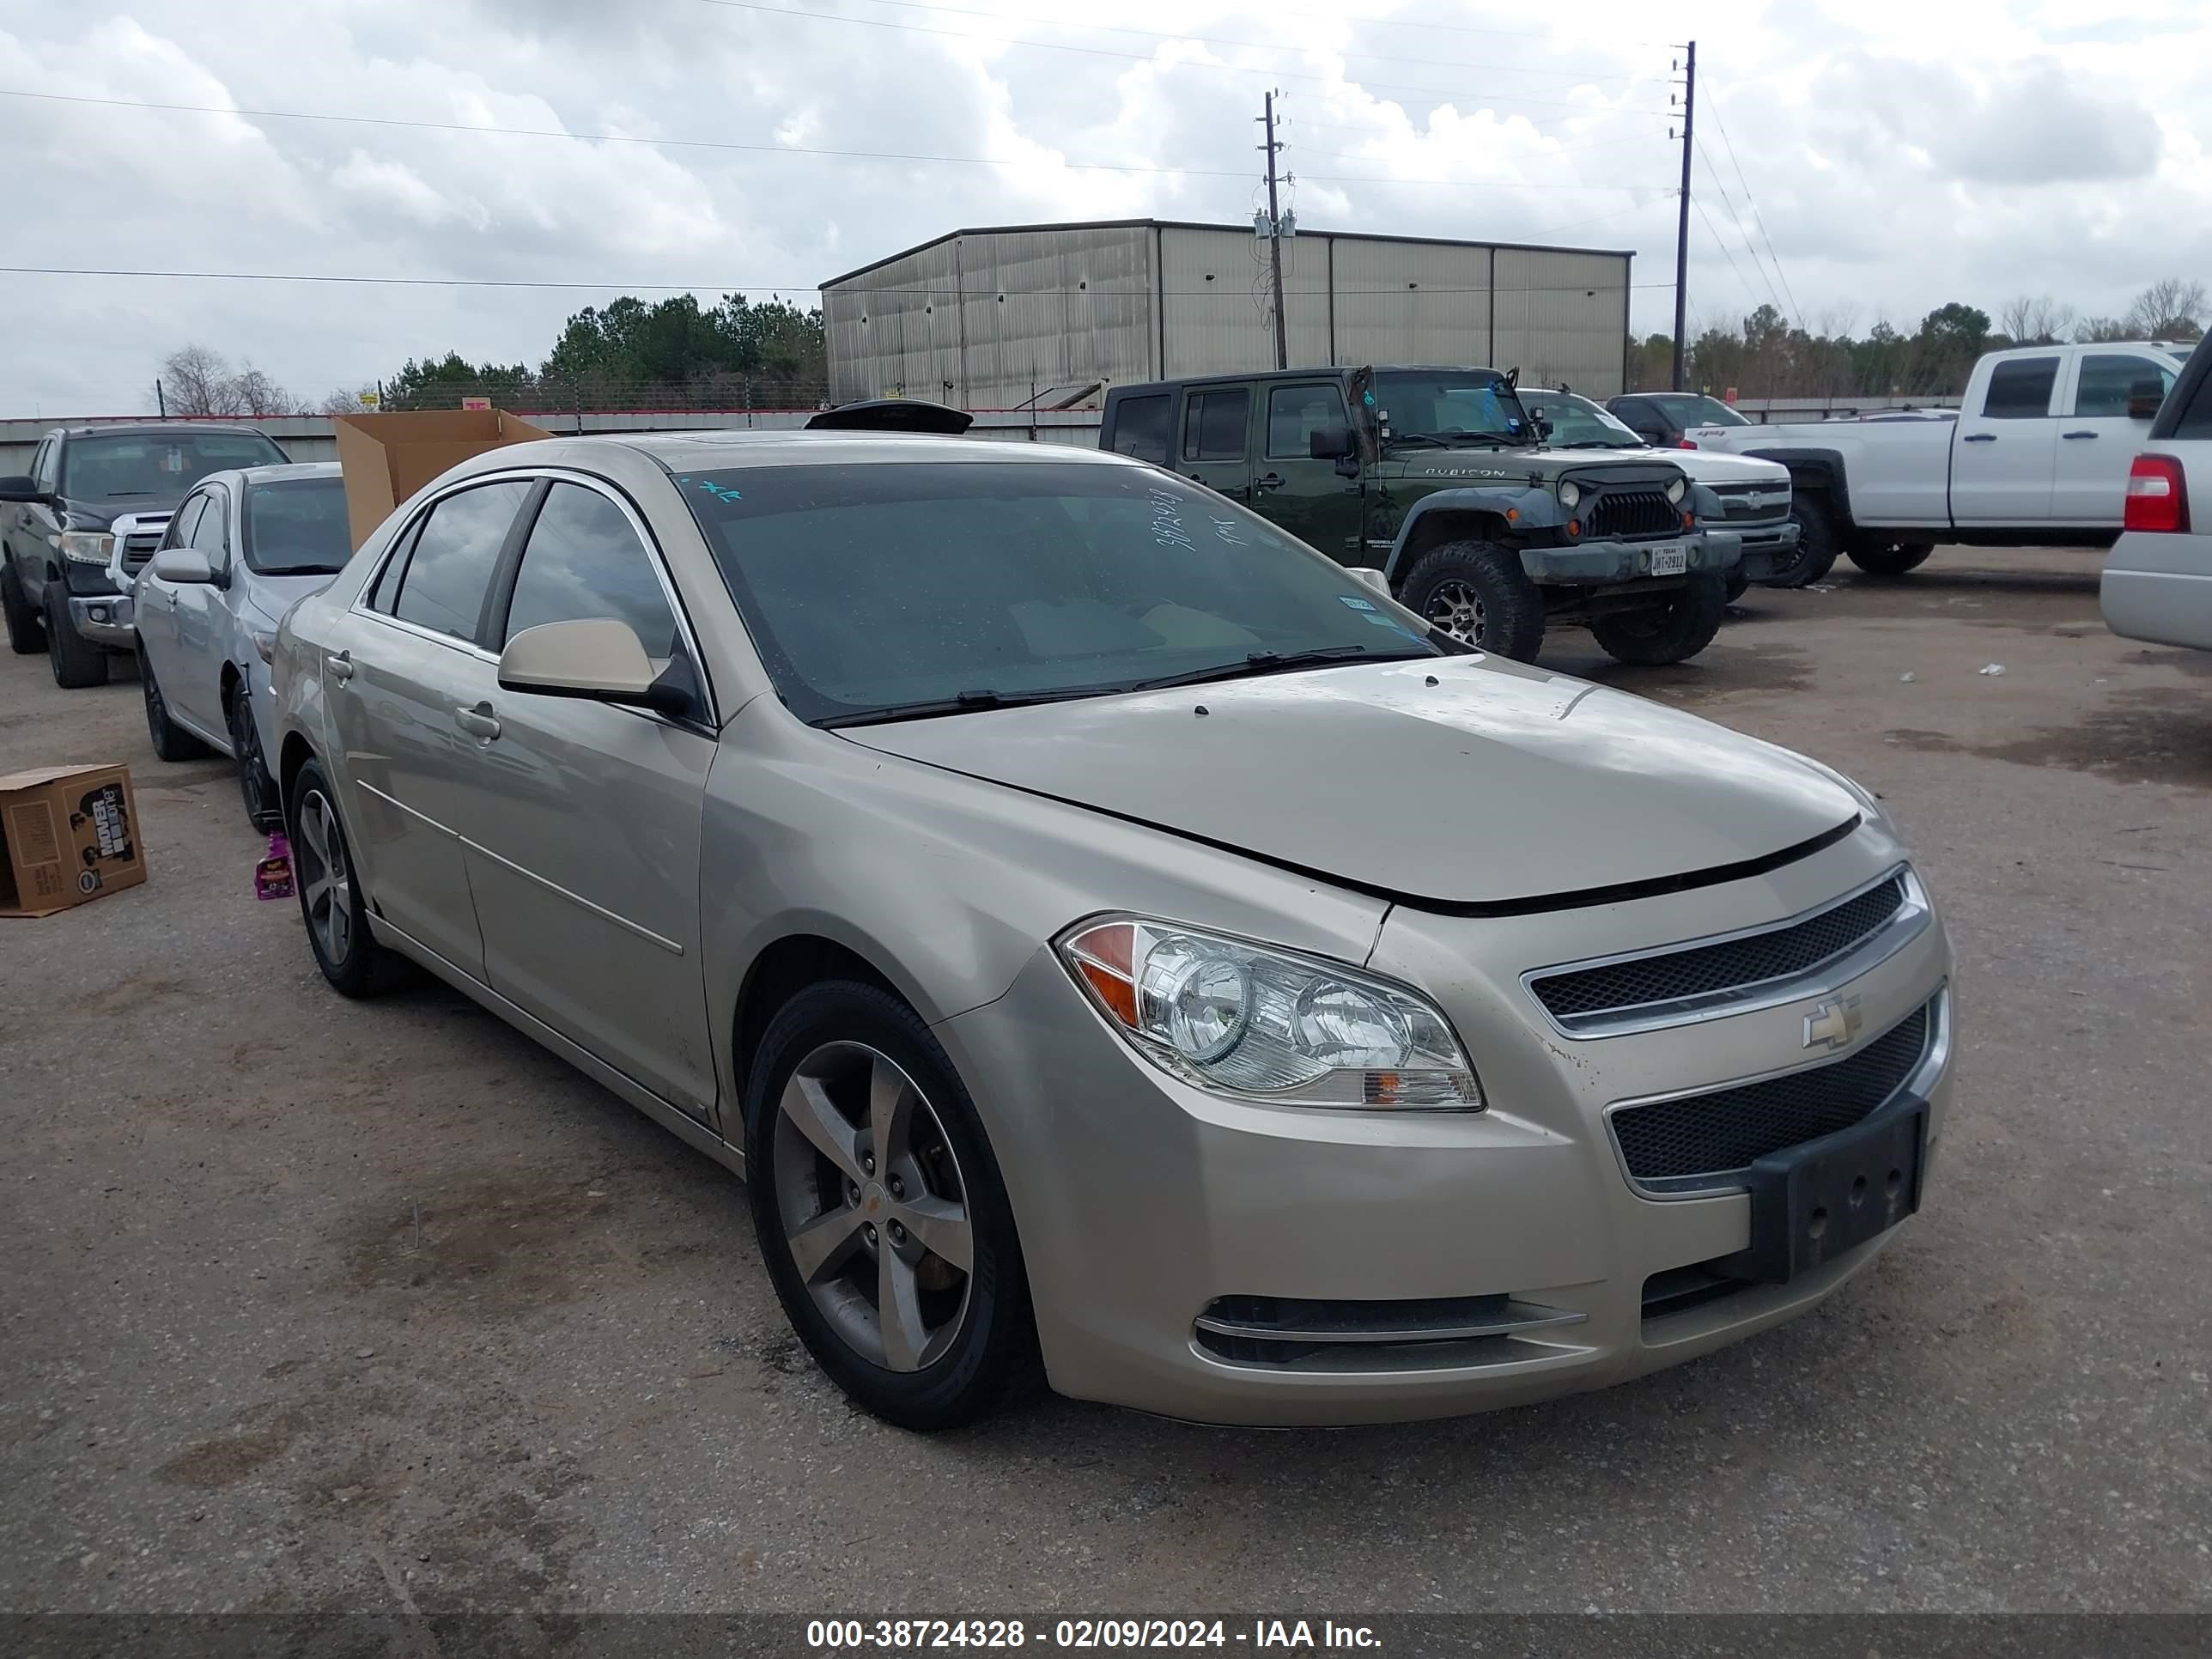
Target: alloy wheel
<point>1456,608</point>
<point>327,882</point>
<point>873,1205</point>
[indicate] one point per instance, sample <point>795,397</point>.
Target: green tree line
<point>1767,356</point>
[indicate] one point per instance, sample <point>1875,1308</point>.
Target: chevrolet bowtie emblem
<point>1833,1024</point>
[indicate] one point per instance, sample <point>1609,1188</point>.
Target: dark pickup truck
<point>76,530</point>
<point>1435,480</point>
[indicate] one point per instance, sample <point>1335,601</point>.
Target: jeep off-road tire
<point>1672,631</point>
<point>1816,543</point>
<point>1890,558</point>
<point>26,635</point>
<point>1478,593</point>
<point>76,661</point>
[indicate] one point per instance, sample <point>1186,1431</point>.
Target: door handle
<point>2077,435</point>
<point>339,667</point>
<point>1273,481</point>
<point>1979,437</point>
<point>479,721</point>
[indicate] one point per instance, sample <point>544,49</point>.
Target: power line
<point>1752,292</point>
<point>1749,246</point>
<point>1441,93</point>
<point>1094,295</point>
<point>1755,218</point>
<point>758,150</point>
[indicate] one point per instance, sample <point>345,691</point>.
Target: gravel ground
<point>311,1303</point>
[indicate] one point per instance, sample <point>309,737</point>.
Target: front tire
<point>1891,558</point>
<point>254,784</point>
<point>1671,632</point>
<point>1816,544</point>
<point>1477,593</point>
<point>331,896</point>
<point>171,741</point>
<point>880,1210</point>
<point>76,661</point>
<point>1738,585</point>
<point>26,635</point>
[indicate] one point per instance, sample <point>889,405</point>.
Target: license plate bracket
<point>1673,560</point>
<point>1812,1202</point>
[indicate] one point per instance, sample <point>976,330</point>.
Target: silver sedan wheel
<point>873,1205</point>
<point>326,882</point>
<point>1457,609</point>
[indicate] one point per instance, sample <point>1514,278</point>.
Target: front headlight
<point>1570,493</point>
<point>1259,1023</point>
<point>87,546</point>
<point>1677,489</point>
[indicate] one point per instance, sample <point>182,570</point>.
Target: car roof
<point>154,428</point>
<point>690,451</point>
<point>1318,372</point>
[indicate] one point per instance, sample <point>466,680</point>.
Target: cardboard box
<point>384,459</point>
<point>67,834</point>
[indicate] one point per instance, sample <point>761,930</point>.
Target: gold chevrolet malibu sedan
<point>1109,935</point>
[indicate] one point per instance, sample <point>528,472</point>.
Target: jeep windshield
<point>106,466</point>
<point>1448,407</point>
<point>907,590</point>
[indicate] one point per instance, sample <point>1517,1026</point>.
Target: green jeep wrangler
<point>1437,478</point>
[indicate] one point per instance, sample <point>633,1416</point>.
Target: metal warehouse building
<point>1032,315</point>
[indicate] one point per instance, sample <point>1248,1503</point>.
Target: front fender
<point>1536,508</point>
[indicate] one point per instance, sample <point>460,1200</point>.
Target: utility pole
<point>1275,235</point>
<point>160,400</point>
<point>1682,224</point>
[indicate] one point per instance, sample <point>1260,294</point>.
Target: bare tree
<point>2036,319</point>
<point>197,381</point>
<point>2171,309</point>
<point>340,401</point>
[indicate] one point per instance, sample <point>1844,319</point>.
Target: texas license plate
<point>1670,560</point>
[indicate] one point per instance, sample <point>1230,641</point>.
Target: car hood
<point>100,512</point>
<point>1470,464</point>
<point>1456,782</point>
<point>1708,466</point>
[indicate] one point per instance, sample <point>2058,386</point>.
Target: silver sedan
<point>1107,933</point>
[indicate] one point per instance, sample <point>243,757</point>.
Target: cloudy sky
<point>1868,158</point>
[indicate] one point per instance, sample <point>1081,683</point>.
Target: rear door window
<point>1140,426</point>
<point>2019,389</point>
<point>1214,424</point>
<point>450,569</point>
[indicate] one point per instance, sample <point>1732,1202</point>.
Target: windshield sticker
<point>1394,626</point>
<point>1357,604</point>
<point>1167,523</point>
<point>173,460</point>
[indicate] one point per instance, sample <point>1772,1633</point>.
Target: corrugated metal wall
<point>991,319</point>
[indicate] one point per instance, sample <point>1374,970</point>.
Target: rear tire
<point>814,1181</point>
<point>1478,593</point>
<point>1672,632</point>
<point>171,741</point>
<point>331,901</point>
<point>26,635</point>
<point>254,783</point>
<point>1891,558</point>
<point>76,661</point>
<point>1816,544</point>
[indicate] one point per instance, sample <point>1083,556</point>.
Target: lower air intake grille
<point>1778,954</point>
<point>1634,513</point>
<point>1725,1131</point>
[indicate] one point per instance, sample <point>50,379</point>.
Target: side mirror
<point>598,659</point>
<point>182,565</point>
<point>1373,578</point>
<point>21,486</point>
<point>1331,443</point>
<point>2144,397</point>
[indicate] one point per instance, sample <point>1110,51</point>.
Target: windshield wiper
<point>1416,438</point>
<point>966,703</point>
<point>1275,662</point>
<point>1594,443</point>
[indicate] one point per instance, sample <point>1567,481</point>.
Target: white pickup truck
<point>2037,455</point>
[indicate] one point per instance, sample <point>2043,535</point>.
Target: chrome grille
<point>1752,503</point>
<point>1724,1132</point>
<point>1672,977</point>
<point>1628,512</point>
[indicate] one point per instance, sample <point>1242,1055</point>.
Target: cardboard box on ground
<point>68,834</point>
<point>384,459</point>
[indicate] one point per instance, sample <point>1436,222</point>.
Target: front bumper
<point>105,619</point>
<point>1144,1206</point>
<point>1591,564</point>
<point>1765,549</point>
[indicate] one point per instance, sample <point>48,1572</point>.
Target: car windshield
<point>1687,409</point>
<point>297,528</point>
<point>108,465</point>
<point>877,590</point>
<point>1474,405</point>
<point>1577,421</point>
